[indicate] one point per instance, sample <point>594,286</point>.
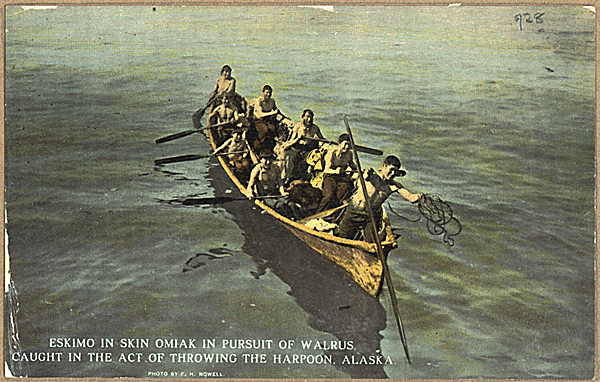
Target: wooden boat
<point>357,258</point>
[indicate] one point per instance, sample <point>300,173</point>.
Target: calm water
<point>496,120</point>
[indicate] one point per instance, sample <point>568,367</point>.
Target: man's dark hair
<point>344,137</point>
<point>393,160</point>
<point>267,87</point>
<point>307,111</point>
<point>226,67</point>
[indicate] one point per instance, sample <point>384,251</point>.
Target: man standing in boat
<point>336,180</point>
<point>380,185</point>
<point>225,83</point>
<point>304,137</point>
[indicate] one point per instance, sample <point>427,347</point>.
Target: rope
<point>438,215</point>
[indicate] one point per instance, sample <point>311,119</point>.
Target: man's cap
<point>344,137</point>
<point>394,161</point>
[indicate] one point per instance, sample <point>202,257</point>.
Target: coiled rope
<point>439,216</point>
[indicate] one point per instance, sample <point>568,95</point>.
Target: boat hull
<point>362,266</point>
<point>358,259</point>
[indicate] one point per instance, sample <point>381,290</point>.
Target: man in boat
<point>223,118</point>
<point>264,106</point>
<point>266,183</point>
<point>264,112</point>
<point>224,85</point>
<point>239,155</point>
<point>304,137</point>
<point>380,185</point>
<point>265,178</point>
<point>337,182</point>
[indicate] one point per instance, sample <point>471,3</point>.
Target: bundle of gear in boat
<point>294,170</point>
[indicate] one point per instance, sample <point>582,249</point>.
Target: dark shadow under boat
<point>334,302</point>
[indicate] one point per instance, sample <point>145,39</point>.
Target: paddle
<point>363,149</point>
<point>210,101</point>
<point>189,157</point>
<point>386,271</point>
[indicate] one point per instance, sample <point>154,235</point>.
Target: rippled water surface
<point>496,120</point>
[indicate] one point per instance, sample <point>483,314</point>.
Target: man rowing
<point>225,85</point>
<point>264,112</point>
<point>380,185</point>
<point>266,183</point>
<point>304,137</point>
<point>264,106</point>
<point>222,117</point>
<point>265,178</point>
<point>239,155</point>
<point>337,181</point>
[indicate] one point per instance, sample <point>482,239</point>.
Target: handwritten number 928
<point>528,19</point>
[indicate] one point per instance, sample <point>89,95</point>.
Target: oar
<point>197,116</point>
<point>221,199</point>
<point>179,158</point>
<point>363,149</point>
<point>182,134</point>
<point>185,133</point>
<point>322,214</point>
<point>386,272</point>
<point>172,137</point>
<point>190,157</point>
<point>210,101</point>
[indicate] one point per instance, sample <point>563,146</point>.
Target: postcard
<point>300,192</point>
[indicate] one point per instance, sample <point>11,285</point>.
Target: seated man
<point>380,185</point>
<point>266,183</point>
<point>223,117</point>
<point>304,137</point>
<point>336,180</point>
<point>238,153</point>
<point>265,112</point>
<point>265,178</point>
<point>264,106</point>
<point>224,85</point>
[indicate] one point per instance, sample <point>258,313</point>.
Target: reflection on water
<point>335,304</point>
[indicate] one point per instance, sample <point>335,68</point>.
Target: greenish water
<point>496,120</point>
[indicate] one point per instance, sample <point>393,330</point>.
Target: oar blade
<point>172,137</point>
<point>368,150</point>
<point>208,200</point>
<point>179,158</point>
